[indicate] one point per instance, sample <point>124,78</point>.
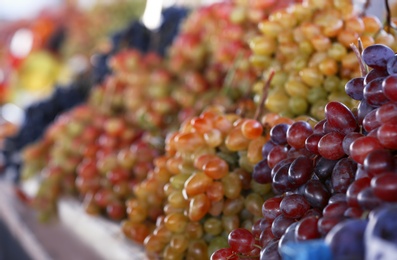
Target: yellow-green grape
<point>311,46</point>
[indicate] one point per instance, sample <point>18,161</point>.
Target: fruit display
<point>344,175</point>
<point>266,131</point>
<point>308,45</point>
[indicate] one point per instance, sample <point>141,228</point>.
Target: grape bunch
<point>329,176</point>
<point>203,183</point>
<point>308,45</point>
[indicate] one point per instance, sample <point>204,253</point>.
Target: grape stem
<point>265,92</point>
<point>358,51</point>
<point>388,17</point>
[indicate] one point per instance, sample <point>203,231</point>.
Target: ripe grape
<point>377,55</point>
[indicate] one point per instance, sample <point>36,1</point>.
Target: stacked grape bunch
<point>207,189</point>
<point>342,168</point>
<point>41,114</point>
<point>308,45</point>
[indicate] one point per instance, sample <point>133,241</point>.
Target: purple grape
<point>377,55</point>
<point>354,88</point>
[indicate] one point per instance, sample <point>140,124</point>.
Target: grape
<point>280,181</point>
<point>278,134</point>
<point>324,167</point>
<point>370,121</point>
<point>241,240</point>
<point>384,186</point>
<point>340,117</point>
<point>354,189</point>
<point>377,55</point>
<point>335,209</point>
<point>262,172</point>
<point>383,225</point>
<point>367,199</point>
<point>330,146</point>
<point>391,65</point>
<point>311,143</point>
<point>353,213</point>
<point>374,74</point>
<point>277,154</point>
<point>379,161</point>
<point>346,239</point>
<point>307,229</point>
<point>373,93</point>
<point>336,197</point>
<point>300,170</point>
<point>387,113</point>
<point>316,194</point>
<point>348,139</point>
<point>223,254</point>
<point>271,208</point>
<point>260,225</point>
<point>387,135</point>
<point>389,87</point>
<point>280,224</point>
<point>363,109</point>
<point>267,148</point>
<point>294,206</point>
<point>297,134</point>
<point>343,174</point>
<point>325,224</point>
<point>362,146</point>
<point>289,236</point>
<point>354,88</point>
<point>270,251</point>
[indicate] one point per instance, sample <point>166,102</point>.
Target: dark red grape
<point>277,154</point>
<point>367,199</point>
<point>362,110</point>
<point>353,213</point>
<point>377,55</point>
<point>340,117</point>
<point>370,121</point>
<point>280,224</point>
<point>354,189</point>
<point>343,174</point>
<point>307,229</point>
<point>373,93</point>
<point>387,113</point>
<point>361,147</point>
<point>325,224</point>
<point>224,254</point>
<point>387,135</point>
<point>267,147</point>
<point>270,251</point>
<point>379,161</point>
<point>374,74</point>
<point>384,186</point>
<point>389,87</point>
<point>266,237</point>
<point>354,88</point>
<point>323,168</point>
<point>335,209</point>
<point>241,240</point>
<point>271,208</point>
<point>318,128</point>
<point>294,206</point>
<point>278,133</point>
<point>260,225</point>
<point>348,139</point>
<point>313,212</point>
<point>330,146</point>
<point>280,183</point>
<point>311,142</point>
<point>300,170</point>
<point>336,197</point>
<point>262,172</point>
<point>297,134</point>
<point>316,194</point>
